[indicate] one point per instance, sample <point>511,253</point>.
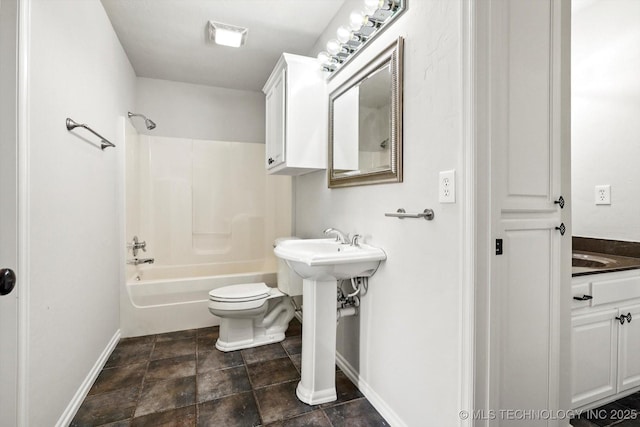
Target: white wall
<point>185,110</point>
<point>405,343</point>
<point>605,110</point>
<point>77,69</point>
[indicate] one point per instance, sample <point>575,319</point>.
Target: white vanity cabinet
<point>605,351</point>
<point>595,353</point>
<point>296,117</point>
<point>629,348</point>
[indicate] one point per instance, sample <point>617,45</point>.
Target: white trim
<point>468,225</point>
<point>374,398</point>
<point>78,398</point>
<point>24,210</point>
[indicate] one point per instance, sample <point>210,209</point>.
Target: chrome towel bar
<point>104,142</point>
<point>402,214</point>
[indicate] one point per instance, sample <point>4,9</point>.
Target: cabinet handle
<point>583,298</point>
<point>560,202</point>
<point>621,319</point>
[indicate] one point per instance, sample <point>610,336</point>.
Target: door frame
<point>24,31</point>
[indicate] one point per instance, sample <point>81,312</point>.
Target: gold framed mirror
<point>365,123</point>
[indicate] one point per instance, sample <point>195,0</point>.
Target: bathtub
<point>158,299</point>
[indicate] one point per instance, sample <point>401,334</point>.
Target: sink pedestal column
<point>318,377</point>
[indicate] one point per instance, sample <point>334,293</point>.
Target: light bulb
<point>333,46</point>
<point>356,20</point>
<point>324,58</point>
<point>343,34</point>
<point>370,6</point>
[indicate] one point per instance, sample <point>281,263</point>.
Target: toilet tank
<point>288,281</point>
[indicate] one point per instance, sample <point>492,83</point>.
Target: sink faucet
<point>340,236</point>
<point>138,261</point>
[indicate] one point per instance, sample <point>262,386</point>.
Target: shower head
<point>147,122</point>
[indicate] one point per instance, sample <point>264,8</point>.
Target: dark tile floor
<point>624,412</point>
<point>180,379</point>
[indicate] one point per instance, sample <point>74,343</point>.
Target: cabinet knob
<point>270,160</point>
<point>562,229</point>
<point>560,202</point>
<point>629,318</point>
<point>621,319</point>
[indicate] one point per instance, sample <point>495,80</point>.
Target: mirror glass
<point>365,126</point>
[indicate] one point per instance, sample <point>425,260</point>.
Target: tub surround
<point>618,255</point>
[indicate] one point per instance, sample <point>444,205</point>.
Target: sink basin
<point>592,261</point>
<point>325,259</point>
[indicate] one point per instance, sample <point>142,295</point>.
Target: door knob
<point>7,280</point>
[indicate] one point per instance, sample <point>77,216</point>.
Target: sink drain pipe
<point>346,312</point>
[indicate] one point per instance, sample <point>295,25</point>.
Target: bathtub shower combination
<point>201,232</point>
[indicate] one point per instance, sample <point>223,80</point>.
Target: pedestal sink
<point>321,263</point>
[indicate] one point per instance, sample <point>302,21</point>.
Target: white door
<point>276,122</point>
<point>594,356</point>
<point>527,141</point>
<point>629,348</point>
<point>8,211</point>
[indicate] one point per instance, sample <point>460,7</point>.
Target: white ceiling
<point>167,39</point>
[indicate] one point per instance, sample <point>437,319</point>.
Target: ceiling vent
<point>227,35</point>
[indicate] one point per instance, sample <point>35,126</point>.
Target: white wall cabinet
<point>605,351</point>
<point>296,117</point>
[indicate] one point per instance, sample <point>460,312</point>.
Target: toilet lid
<point>240,293</point>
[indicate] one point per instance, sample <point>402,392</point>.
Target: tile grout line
<point>195,403</point>
<point>144,377</point>
<point>253,390</point>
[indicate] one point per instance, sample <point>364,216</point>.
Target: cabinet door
<point>275,114</point>
<point>594,356</point>
<point>527,160</point>
<point>629,349</point>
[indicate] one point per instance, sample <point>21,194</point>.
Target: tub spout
<point>138,261</point>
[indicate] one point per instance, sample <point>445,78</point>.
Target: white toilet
<point>254,314</point>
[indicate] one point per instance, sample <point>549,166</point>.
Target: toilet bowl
<point>254,314</point>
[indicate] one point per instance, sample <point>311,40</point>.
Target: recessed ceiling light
<point>227,35</point>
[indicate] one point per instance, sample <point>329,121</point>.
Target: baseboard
<point>78,398</point>
<point>374,398</point>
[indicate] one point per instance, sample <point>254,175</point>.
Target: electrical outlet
<point>447,187</point>
<point>603,194</point>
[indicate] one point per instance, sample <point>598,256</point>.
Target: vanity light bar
<point>363,25</point>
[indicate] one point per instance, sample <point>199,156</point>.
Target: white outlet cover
<point>602,194</point>
<point>447,187</point>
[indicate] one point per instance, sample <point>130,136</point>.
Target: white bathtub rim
<point>270,278</point>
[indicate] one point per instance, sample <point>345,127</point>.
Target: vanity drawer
<point>608,291</point>
<point>582,291</point>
